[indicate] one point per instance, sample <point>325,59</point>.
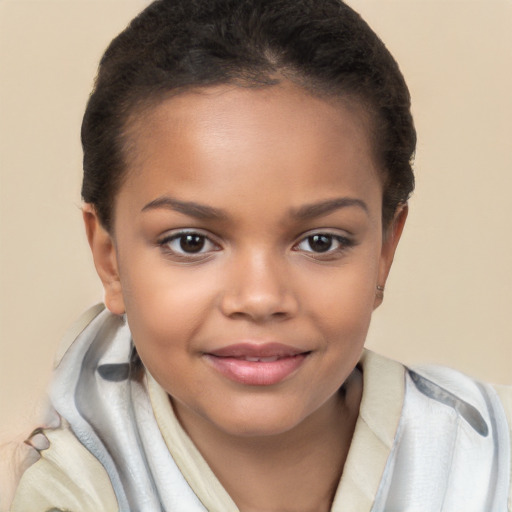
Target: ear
<point>390,241</point>
<point>105,259</point>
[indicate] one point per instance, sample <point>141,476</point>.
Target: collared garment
<point>427,439</point>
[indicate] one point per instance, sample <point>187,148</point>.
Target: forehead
<point>268,139</point>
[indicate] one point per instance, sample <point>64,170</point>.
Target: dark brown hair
<point>174,45</point>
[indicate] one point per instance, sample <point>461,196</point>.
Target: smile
<point>256,365</point>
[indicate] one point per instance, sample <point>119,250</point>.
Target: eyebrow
<point>190,208</point>
<point>311,211</point>
<point>204,212</point>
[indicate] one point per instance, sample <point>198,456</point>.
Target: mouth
<point>257,364</point>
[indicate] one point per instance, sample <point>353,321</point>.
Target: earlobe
<point>389,245</point>
<point>105,259</point>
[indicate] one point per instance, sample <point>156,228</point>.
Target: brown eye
<point>188,243</point>
<point>192,243</point>
<point>324,244</point>
<point>320,243</point>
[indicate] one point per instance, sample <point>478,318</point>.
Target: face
<point>247,248</point>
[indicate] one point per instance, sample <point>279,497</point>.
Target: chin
<point>259,423</point>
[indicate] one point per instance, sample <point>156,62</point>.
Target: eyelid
<point>173,233</point>
<point>333,232</point>
<point>345,241</point>
<point>164,241</point>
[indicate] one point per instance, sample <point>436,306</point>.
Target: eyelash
<point>343,244</point>
<point>179,237</point>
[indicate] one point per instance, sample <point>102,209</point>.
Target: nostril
<point>259,316</point>
<point>258,309</point>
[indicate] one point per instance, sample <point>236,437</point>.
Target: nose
<point>258,288</point>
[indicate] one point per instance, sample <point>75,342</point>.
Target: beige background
<point>450,293</point>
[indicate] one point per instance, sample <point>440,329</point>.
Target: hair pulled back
<point>174,45</point>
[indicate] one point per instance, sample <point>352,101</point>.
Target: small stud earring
<point>380,292</point>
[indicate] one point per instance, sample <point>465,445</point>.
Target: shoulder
<point>62,474</point>
<point>65,477</point>
<point>505,395</point>
<point>479,416</point>
<point>483,406</point>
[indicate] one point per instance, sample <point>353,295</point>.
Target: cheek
<point>342,299</point>
<point>165,308</point>
<point>155,287</point>
<point>163,329</point>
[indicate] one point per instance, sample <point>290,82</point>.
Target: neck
<point>296,470</point>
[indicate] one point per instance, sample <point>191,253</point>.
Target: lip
<point>255,364</point>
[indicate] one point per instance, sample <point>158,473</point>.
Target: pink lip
<point>279,361</point>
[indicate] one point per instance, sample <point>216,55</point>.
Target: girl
<point>247,165</point>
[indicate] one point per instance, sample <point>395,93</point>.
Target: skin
<point>257,159</point>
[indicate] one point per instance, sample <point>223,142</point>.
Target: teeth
<point>261,359</point>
